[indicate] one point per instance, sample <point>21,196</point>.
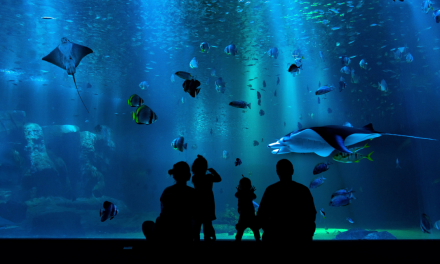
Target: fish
<point>321,167</point>
<point>256,143</point>
<point>47,17</point>
<point>273,52</point>
<point>397,164</point>
<point>255,205</point>
<point>110,211</point>
<point>231,50</point>
<point>345,60</point>
<point>278,80</point>
<point>190,86</point>
<point>211,132</point>
<point>351,157</point>
<point>293,68</point>
<point>321,55</point>
<point>409,58</point>
<point>258,95</point>
<point>204,47</point>
<point>317,182</point>
<point>341,200</point>
<point>240,104</point>
<point>225,154</point>
<point>135,100</point>
<point>345,70</point>
<point>220,85</point>
<point>324,89</point>
<point>178,144</point>
<point>144,115</point>
<point>275,93</point>
<point>426,6</point>
<point>322,212</point>
<point>437,224</point>
<point>184,75</point>
<point>172,77</point>
<point>261,112</point>
<point>325,139</point>
<point>383,86</point>
<point>238,162</point>
<point>425,224</point>
<point>329,110</point>
<point>300,126</point>
<point>143,85</point>
<point>436,15</point>
<point>348,193</point>
<point>264,84</point>
<point>363,64</point>
<point>349,220</point>
<point>356,149</point>
<point>194,63</point>
<point>213,72</point>
<point>342,84</point>
<point>67,56</point>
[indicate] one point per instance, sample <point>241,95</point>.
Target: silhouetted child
<point>245,194</point>
<point>205,204</point>
<point>177,214</point>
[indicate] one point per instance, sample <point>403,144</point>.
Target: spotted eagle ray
<point>67,56</point>
<point>323,140</point>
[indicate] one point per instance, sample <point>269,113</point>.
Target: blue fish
<point>341,200</point>
<point>436,15</point>
<point>110,211</point>
<point>178,144</point>
<point>349,220</point>
<point>238,162</point>
<point>204,47</point>
<point>240,104</point>
<point>231,50</point>
<point>278,80</point>
<point>273,52</point>
<point>220,85</point>
<point>317,182</point>
<point>264,84</point>
<point>225,154</point>
<point>321,167</point>
<point>324,89</point>
<point>322,212</point>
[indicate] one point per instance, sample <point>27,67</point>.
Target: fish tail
<point>369,156</point>
<point>249,105</point>
<point>408,136</point>
<point>366,145</point>
<point>134,116</point>
<point>73,75</point>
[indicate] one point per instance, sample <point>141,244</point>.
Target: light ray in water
<point>408,136</point>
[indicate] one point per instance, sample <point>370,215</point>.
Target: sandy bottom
<point>320,234</point>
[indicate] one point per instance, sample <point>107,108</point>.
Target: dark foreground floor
<point>128,251</point>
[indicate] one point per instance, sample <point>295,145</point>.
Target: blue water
<point>56,169</point>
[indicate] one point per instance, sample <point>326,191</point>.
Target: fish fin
<point>79,52</point>
<point>369,156</point>
<point>369,127</point>
<point>198,90</point>
<point>249,105</point>
<point>134,116</point>
<point>73,75</point>
<point>366,145</point>
<point>111,217</point>
<point>56,58</point>
<point>185,145</point>
<point>106,204</point>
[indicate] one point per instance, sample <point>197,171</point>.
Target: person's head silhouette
<point>285,170</point>
<point>181,172</point>
<point>245,184</point>
<point>200,165</point>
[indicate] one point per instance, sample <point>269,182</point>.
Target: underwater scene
<point>99,99</point>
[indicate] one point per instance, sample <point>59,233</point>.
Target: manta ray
<point>323,140</point>
<point>67,56</point>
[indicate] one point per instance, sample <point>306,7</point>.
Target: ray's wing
<point>79,52</point>
<point>56,58</point>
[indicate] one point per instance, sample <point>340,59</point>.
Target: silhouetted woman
<point>176,220</point>
<point>205,204</point>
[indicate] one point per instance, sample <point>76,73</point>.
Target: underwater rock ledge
<point>362,234</point>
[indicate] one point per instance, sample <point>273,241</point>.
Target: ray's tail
<point>79,94</point>
<point>408,136</point>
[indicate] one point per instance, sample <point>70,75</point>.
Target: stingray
<point>67,56</point>
<point>324,140</point>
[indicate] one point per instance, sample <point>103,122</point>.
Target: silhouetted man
<point>287,212</point>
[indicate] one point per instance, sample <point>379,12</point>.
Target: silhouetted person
<point>176,220</point>
<point>245,194</point>
<point>205,204</point>
<point>287,212</point>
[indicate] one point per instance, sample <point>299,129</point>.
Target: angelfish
<point>67,56</point>
<point>110,211</point>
